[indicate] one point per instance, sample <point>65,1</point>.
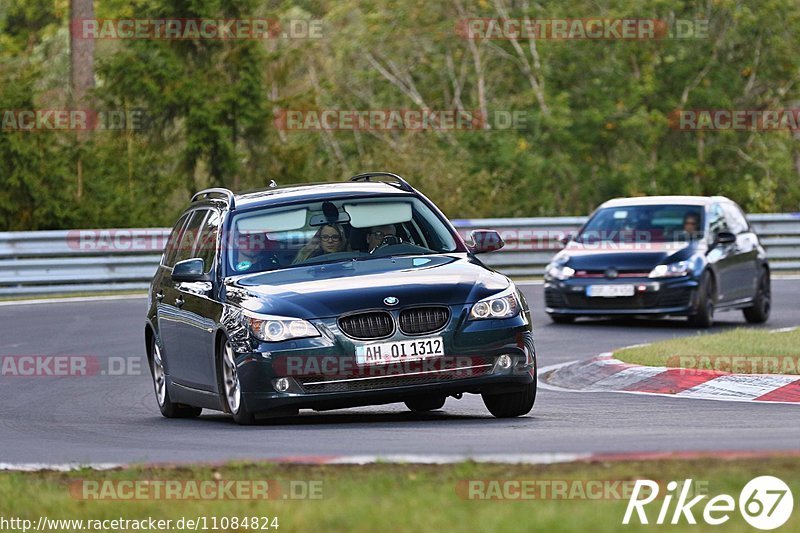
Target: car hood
<point>626,256</point>
<point>327,290</point>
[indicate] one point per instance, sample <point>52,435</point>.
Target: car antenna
<point>272,184</point>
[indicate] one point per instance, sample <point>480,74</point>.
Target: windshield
<point>343,229</point>
<point>644,224</point>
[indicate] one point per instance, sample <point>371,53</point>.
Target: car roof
<point>664,200</point>
<point>311,192</point>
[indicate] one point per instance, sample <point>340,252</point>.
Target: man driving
<point>691,227</point>
<point>376,235</point>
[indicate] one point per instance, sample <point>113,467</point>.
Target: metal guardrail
<point>77,261</point>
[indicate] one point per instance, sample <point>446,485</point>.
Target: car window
<point>271,238</point>
<point>716,220</point>
<point>171,248</point>
<point>206,245</point>
<point>643,223</point>
<point>737,223</point>
<point>186,246</point>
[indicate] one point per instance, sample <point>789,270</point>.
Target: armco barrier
<point>75,261</point>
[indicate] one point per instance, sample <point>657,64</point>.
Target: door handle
<point>180,301</point>
<point>160,297</point>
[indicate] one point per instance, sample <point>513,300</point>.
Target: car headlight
<point>672,270</point>
<point>279,328</point>
<point>503,305</point>
<point>558,268</point>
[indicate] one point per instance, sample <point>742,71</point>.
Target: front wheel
<point>165,403</point>
<point>703,317</point>
<point>511,404</point>
<point>762,303</point>
<point>231,388</point>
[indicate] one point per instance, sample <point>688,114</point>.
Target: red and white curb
<point>606,374</point>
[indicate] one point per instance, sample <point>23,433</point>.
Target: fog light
<point>281,384</point>
<point>504,362</point>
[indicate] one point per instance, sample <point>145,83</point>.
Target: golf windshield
<point>644,224</point>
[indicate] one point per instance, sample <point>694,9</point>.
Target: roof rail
<point>226,194</point>
<point>398,182</point>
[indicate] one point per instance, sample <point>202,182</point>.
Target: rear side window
<point>190,236</point>
<point>171,249</point>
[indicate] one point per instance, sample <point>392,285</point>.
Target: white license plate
<point>390,352</point>
<point>610,291</point>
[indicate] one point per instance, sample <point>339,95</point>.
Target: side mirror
<point>564,239</point>
<point>189,270</point>
<point>725,237</point>
<point>485,240</point>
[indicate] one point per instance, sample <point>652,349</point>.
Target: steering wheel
<point>388,241</point>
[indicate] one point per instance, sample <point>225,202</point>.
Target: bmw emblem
<point>612,273</point>
<point>390,300</point>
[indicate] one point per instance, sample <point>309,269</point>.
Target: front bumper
<point>323,373</point>
<point>675,296</point>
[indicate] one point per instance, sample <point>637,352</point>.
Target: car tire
<point>762,303</point>
<point>230,388</point>
<point>703,317</point>
<point>562,319</point>
<point>425,403</point>
<point>168,408</point>
<point>511,404</point>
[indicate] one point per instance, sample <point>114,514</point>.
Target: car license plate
<point>610,291</point>
<point>390,352</point>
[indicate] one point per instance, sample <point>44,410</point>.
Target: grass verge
<point>391,497</point>
<point>741,351</point>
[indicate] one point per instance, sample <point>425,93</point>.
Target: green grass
<point>743,351</point>
<point>390,497</point>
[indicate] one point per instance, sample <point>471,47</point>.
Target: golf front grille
<point>372,325</point>
<point>422,320</point>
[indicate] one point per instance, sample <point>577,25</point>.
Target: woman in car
<point>328,239</point>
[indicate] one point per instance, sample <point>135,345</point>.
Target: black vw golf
<point>661,255</point>
<point>332,295</point>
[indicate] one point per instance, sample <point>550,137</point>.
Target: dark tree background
<point>597,111</point>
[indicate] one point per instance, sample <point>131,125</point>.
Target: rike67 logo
<point>765,503</point>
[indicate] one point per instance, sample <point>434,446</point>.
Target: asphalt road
<point>114,418</point>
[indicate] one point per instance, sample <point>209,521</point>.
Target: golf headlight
<point>672,270</point>
<point>503,305</point>
<point>280,328</point>
<point>558,269</point>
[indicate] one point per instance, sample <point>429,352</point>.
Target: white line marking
<point>57,467</point>
<point>75,299</point>
<point>510,458</point>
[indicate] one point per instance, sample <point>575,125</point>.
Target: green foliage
<point>597,112</point>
